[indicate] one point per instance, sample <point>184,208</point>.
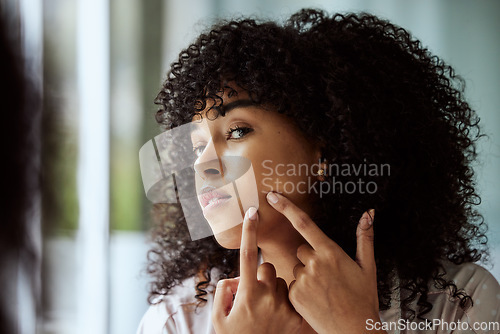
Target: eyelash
<point>195,149</point>
<point>245,130</point>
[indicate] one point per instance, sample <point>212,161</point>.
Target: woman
<point>378,235</point>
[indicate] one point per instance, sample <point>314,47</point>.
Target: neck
<point>282,253</point>
<point>280,249</point>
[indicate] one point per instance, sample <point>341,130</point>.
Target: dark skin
<point>273,138</point>
<point>297,288</point>
<point>262,299</point>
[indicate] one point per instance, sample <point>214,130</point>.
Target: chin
<point>230,238</point>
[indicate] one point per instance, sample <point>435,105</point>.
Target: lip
<point>211,198</point>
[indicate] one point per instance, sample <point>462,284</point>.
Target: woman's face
<point>245,154</point>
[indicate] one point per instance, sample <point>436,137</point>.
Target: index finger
<point>248,249</point>
<point>300,220</point>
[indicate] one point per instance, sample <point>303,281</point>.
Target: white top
<point>176,312</point>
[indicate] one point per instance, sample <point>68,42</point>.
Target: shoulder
<point>177,312</point>
<point>156,320</point>
<point>473,281</point>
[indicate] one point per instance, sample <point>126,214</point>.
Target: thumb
<point>365,255</point>
<point>224,297</point>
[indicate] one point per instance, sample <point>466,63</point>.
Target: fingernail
<point>364,222</point>
<point>372,216</point>
<point>272,198</point>
<point>252,213</point>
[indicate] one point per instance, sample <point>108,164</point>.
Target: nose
<point>209,165</point>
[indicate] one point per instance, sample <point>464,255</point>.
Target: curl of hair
<point>372,95</point>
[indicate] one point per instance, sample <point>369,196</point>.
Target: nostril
<point>211,171</point>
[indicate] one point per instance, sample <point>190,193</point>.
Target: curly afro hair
<point>372,95</point>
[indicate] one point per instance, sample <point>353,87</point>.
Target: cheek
<point>294,179</point>
<point>290,179</point>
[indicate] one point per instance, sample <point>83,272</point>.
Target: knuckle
<point>296,269</point>
<point>266,270</point>
<point>284,205</point>
<point>222,283</point>
<point>249,254</point>
<point>314,265</point>
<point>301,250</point>
<point>370,237</point>
<point>248,227</point>
<point>293,295</point>
<point>302,221</point>
<point>284,306</point>
<point>268,267</point>
<point>367,238</point>
<point>271,302</point>
<point>330,253</point>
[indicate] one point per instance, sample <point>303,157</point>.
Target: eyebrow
<point>226,108</point>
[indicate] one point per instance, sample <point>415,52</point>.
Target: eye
<point>198,150</point>
<point>238,132</point>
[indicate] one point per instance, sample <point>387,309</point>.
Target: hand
<point>261,302</point>
<point>333,293</point>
